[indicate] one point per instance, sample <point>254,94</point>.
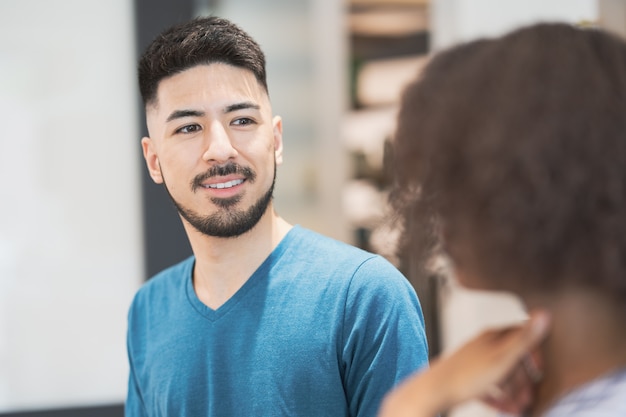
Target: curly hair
<point>512,151</point>
<point>203,40</point>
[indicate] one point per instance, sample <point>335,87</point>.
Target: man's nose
<point>218,146</point>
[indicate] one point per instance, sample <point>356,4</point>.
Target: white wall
<point>70,244</point>
<point>461,20</point>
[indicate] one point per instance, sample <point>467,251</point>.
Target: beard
<point>228,221</point>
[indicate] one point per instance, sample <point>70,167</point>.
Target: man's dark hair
<point>515,148</point>
<point>203,40</point>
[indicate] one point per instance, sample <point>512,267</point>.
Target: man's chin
<point>226,202</point>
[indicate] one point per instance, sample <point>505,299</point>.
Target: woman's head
<point>517,148</point>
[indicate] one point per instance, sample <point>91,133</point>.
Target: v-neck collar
<point>259,275</point>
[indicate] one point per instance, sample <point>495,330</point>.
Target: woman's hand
<point>474,371</point>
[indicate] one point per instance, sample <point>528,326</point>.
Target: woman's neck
<point>587,340</point>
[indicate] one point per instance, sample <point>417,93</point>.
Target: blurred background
<point>81,224</point>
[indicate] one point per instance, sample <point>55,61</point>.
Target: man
<point>266,319</point>
<point>517,146</point>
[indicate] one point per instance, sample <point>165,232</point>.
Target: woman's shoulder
<point>602,397</point>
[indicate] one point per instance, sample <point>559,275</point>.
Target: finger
<point>514,393</point>
<point>520,342</point>
<point>504,390</point>
<point>535,329</point>
<point>511,395</point>
<point>516,405</point>
<point>532,369</point>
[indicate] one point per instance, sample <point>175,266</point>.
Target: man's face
<point>214,145</point>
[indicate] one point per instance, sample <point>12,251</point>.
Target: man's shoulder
<point>319,244</point>
<point>323,253</point>
<point>166,282</point>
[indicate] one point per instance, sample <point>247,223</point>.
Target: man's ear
<point>277,123</point>
<point>152,160</point>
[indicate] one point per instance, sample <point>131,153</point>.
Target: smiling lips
<point>223,178</point>
<point>220,185</point>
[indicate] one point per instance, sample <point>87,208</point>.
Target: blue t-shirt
<point>320,329</point>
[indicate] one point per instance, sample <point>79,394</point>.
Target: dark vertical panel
<point>165,241</point>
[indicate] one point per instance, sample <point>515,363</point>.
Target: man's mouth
<point>227,184</point>
<point>223,177</point>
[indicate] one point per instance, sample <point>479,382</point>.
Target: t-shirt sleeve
<point>384,337</point>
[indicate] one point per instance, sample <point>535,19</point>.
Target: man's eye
<point>188,129</point>
<point>244,121</point>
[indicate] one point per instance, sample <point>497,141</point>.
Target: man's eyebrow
<point>241,106</point>
<point>179,114</point>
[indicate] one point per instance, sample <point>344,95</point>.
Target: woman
<point>513,152</point>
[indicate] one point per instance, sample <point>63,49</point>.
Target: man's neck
<point>223,265</point>
<point>587,340</point>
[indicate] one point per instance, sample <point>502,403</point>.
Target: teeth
<point>225,184</point>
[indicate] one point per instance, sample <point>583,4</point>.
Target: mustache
<point>221,171</point>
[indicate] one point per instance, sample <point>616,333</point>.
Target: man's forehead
<point>217,83</point>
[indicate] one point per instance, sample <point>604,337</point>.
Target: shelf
<point>381,82</point>
<point>388,2</point>
<point>388,21</point>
